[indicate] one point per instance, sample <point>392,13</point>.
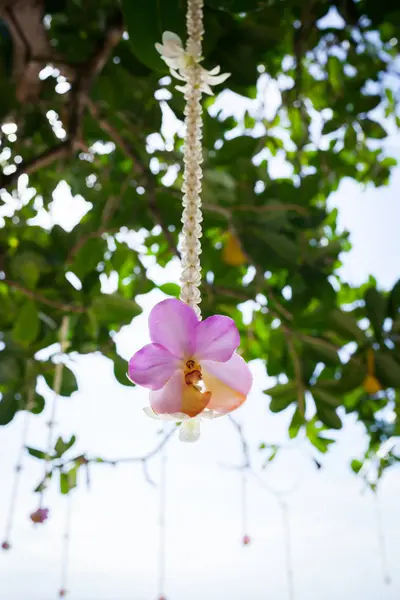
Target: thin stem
<point>381,541</point>
<point>56,392</point>
<point>66,545</point>
<point>17,476</point>
<point>288,547</point>
<point>162,524</point>
<point>244,504</point>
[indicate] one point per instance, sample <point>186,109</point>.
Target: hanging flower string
<point>41,514</point>
<point>191,366</point>
<point>246,539</point>
<point>65,552</point>
<point>162,527</point>
<point>6,545</point>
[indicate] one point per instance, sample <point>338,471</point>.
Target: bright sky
<point>114,528</point>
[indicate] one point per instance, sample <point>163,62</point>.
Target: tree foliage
<point>83,94</point>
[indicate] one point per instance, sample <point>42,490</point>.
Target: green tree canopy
<point>83,94</point>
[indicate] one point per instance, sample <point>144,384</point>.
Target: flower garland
<point>191,366</point>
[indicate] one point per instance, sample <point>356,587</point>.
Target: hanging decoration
<point>41,514</point>
<point>381,541</point>
<point>65,551</point>
<point>246,539</point>
<point>6,544</point>
<point>191,366</point>
<point>162,527</point>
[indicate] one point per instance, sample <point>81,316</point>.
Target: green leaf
<point>68,480</point>
<point>64,484</point>
<point>283,246</point>
<point>146,21</point>
<point>321,443</point>
<point>328,416</point>
<point>350,138</point>
<point>376,307</point>
<point>335,72</point>
<point>10,370</point>
<point>394,301</point>
<point>8,408</point>
<point>345,324</point>
<point>281,396</point>
<point>69,384</point>
<point>88,257</point>
<point>171,289</point>
<point>27,325</point>
<point>331,126</point>
<point>321,350</point>
<point>357,465</point>
<point>115,309</point>
<point>325,397</point>
<point>36,453</point>
<point>26,266</point>
<point>387,369</point>
<point>278,404</point>
<point>121,370</point>
<point>61,447</point>
<point>295,424</point>
<point>372,129</point>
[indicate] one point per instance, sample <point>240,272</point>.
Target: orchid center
<point>192,372</point>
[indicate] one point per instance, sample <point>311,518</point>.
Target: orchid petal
<point>229,383</point>
<point>216,338</point>
<point>152,366</point>
<point>181,88</point>
<point>206,89</point>
<point>169,37</point>
<point>149,412</point>
<point>177,75</point>
<point>215,70</point>
<point>216,79</point>
<point>178,397</point>
<point>190,430</point>
<point>171,324</point>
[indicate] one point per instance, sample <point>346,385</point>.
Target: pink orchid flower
<point>191,367</point>
<point>40,515</point>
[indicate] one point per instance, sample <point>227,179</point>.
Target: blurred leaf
<point>328,416</point>
<point>372,129</point>
<point>387,369</point>
<point>26,328</point>
<point>112,308</point>
<point>170,289</point>
<point>121,371</point>
<point>146,21</point>
<point>36,453</point>
<point>61,447</point>
<point>376,310</point>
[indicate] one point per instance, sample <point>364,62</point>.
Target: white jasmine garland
<point>185,66</point>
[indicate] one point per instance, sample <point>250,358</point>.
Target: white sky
<point>114,544</point>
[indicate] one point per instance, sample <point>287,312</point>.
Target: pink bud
<point>246,540</point>
<point>62,593</point>
<point>40,515</point>
<point>162,598</point>
<point>5,545</point>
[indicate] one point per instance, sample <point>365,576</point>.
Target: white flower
<point>180,62</point>
<point>172,51</point>
<point>190,426</point>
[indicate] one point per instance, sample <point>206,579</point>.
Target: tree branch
<point>85,75</point>
<point>42,299</point>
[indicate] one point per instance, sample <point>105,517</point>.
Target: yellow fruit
<point>371,385</point>
<point>232,253</point>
